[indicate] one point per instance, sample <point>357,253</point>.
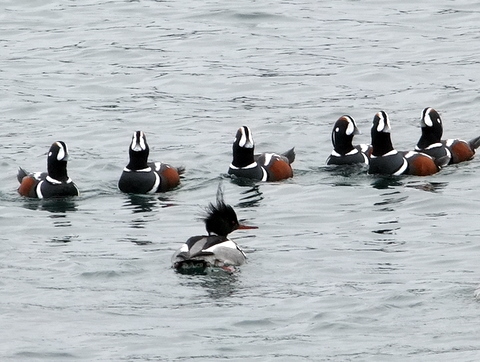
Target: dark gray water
<point>343,266</point>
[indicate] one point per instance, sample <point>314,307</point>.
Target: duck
<point>430,142</point>
<point>386,160</point>
<point>52,183</point>
<point>260,167</point>
<point>344,152</point>
<point>203,253</point>
<point>143,177</point>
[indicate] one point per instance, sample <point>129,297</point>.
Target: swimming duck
<point>53,183</point>
<point>201,253</point>
<point>143,177</point>
<point>262,167</point>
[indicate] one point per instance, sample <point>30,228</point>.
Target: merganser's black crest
<point>344,152</point>
<point>141,176</point>
<point>262,167</point>
<point>53,183</point>
<point>201,253</point>
<point>221,219</point>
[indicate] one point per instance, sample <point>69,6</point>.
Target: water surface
<point>343,266</point>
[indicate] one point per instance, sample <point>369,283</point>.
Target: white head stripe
<point>427,119</point>
<point>246,139</point>
<point>62,152</point>
<point>381,123</point>
<point>243,138</point>
<point>350,128</point>
<point>138,144</point>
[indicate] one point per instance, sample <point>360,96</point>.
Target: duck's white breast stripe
<point>155,185</point>
<point>402,169</point>
<point>39,190</point>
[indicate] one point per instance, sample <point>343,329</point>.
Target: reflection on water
<point>62,239</point>
<point>390,201</point>
<point>142,207</point>
<point>53,205</point>
<point>427,186</point>
<point>60,220</point>
<point>146,203</point>
<point>241,181</point>
<point>385,245</point>
<point>346,170</point>
<point>140,203</point>
<point>136,241</point>
<point>386,182</point>
<point>252,197</point>
<point>385,231</point>
<point>217,283</point>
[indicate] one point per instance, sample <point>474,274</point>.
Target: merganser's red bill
<point>246,227</point>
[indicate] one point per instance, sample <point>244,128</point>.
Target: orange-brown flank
<point>422,165</point>
<point>171,178</point>
<point>461,151</point>
<point>279,170</point>
<point>25,187</point>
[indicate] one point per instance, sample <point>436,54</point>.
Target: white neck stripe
<point>148,169</point>
<point>252,165</point>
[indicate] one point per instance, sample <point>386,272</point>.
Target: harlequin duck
<point>344,152</point>
<point>430,142</point>
<point>388,161</point>
<point>202,253</point>
<point>141,176</point>
<point>263,167</point>
<point>53,183</point>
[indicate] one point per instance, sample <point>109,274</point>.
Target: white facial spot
<point>337,129</point>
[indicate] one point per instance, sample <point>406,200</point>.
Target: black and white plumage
<point>344,152</point>
<point>201,253</point>
<point>261,167</point>
<point>53,183</point>
<point>431,143</point>
<point>143,177</point>
<point>386,160</point>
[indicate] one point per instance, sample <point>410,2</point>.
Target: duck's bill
<point>246,227</point>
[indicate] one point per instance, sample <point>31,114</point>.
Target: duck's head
<point>243,147</point>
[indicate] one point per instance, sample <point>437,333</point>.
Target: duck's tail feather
<point>290,155</point>
<point>474,143</point>
<point>21,174</point>
<point>181,170</point>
